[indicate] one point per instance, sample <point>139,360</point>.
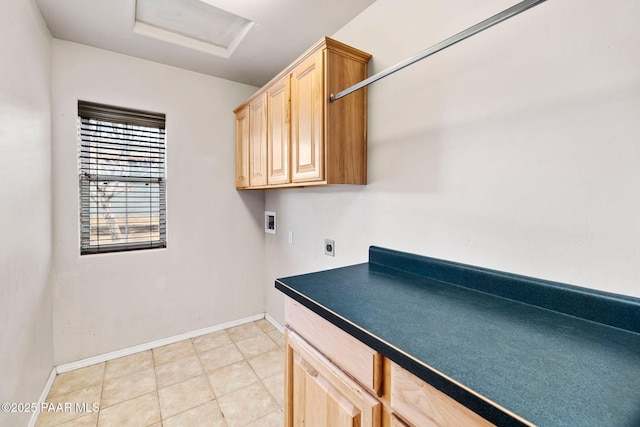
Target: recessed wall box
<point>270,222</point>
<point>329,247</point>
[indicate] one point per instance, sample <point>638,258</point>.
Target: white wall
<point>211,270</point>
<point>516,150</point>
<point>26,349</point>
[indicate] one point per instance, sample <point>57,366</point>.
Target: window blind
<point>122,179</point>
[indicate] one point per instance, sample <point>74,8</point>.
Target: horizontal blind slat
<point>89,140</point>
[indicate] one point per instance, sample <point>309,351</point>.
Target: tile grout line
<point>155,366</point>
<point>259,381</point>
<point>275,324</point>
<point>206,376</point>
<point>155,375</point>
<point>104,374</point>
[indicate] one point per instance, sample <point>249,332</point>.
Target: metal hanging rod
<point>481,26</point>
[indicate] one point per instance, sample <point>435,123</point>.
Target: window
<point>122,179</point>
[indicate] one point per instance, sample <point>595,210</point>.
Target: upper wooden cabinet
<point>258,141</point>
<point>307,125</point>
<point>242,147</point>
<point>309,140</point>
<point>278,135</point>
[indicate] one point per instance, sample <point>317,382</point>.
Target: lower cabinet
<point>423,405</point>
<point>319,394</point>
<point>324,387</point>
<point>396,422</point>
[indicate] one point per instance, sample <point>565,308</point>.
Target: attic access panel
<point>191,23</point>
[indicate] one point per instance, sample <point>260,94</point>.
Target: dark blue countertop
<point>553,354</point>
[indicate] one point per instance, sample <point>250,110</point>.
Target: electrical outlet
<point>329,247</point>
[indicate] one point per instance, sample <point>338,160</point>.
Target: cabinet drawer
<point>361,362</point>
<point>424,405</point>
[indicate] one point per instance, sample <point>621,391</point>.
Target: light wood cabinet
<point>307,120</point>
<point>320,394</point>
<point>424,405</point>
<point>396,422</point>
<point>360,361</point>
<point>242,147</point>
<point>258,142</point>
<point>278,133</point>
<point>333,379</point>
<point>310,140</point>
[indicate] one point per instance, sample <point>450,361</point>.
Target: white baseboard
<point>274,322</point>
<point>43,398</point>
<point>159,343</point>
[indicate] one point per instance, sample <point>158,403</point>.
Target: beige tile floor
<point>228,378</point>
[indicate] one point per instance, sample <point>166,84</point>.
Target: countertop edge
<point>460,393</point>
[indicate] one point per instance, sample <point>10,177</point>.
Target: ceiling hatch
<point>194,24</point>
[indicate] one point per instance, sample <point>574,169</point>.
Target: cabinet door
<point>319,394</point>
<point>258,142</point>
<point>396,422</point>
<point>242,147</point>
<point>278,132</point>
<point>307,120</point>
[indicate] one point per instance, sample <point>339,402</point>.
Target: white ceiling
<point>283,29</point>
